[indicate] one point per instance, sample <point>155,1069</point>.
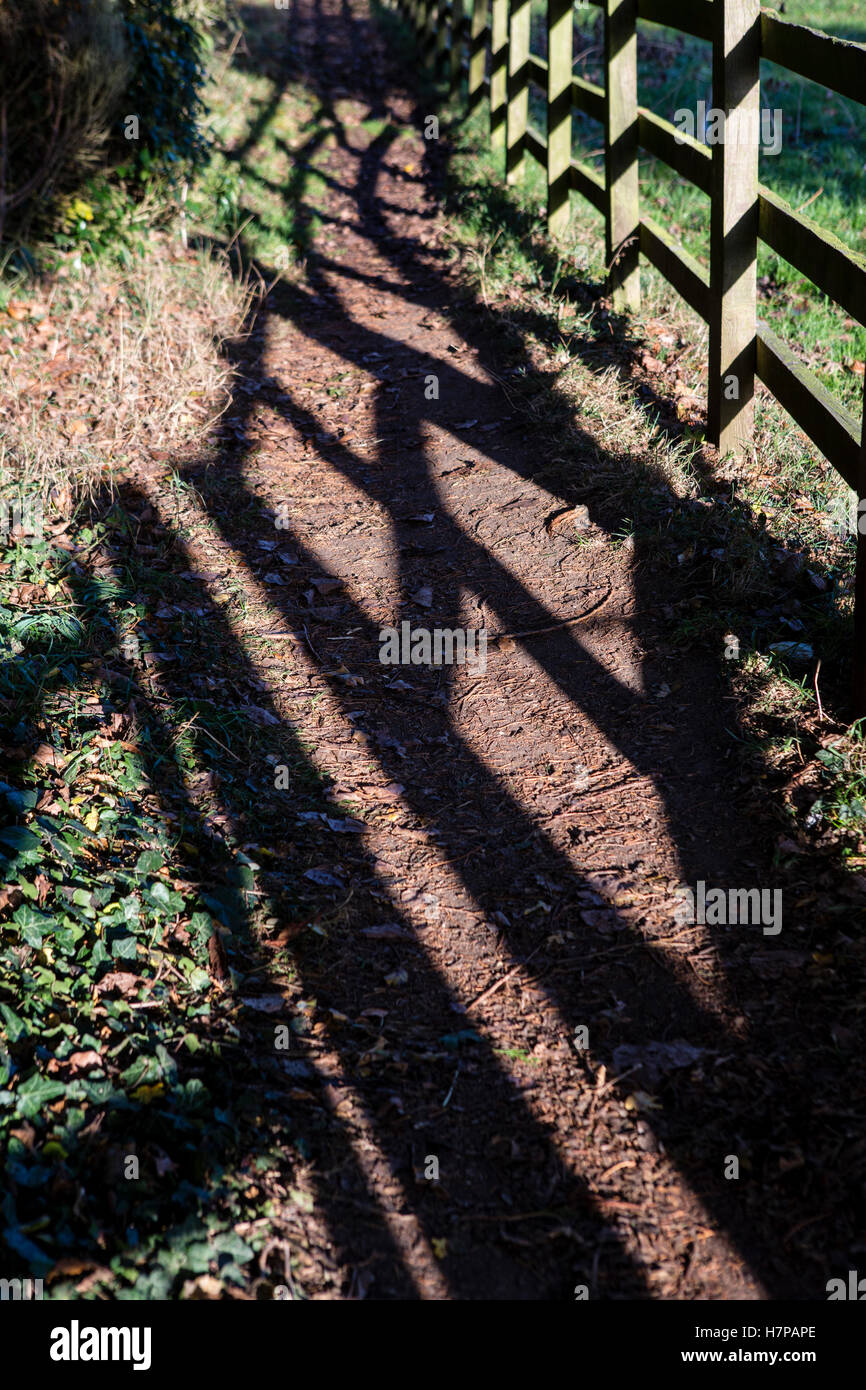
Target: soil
<point>526,1075</point>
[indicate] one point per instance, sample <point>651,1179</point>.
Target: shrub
<point>166,51</point>
<point>72,73</point>
<point>63,69</point>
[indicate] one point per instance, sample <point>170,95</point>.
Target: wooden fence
<point>492,46</point>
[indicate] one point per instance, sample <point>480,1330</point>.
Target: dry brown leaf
<point>25,595</point>
<point>387,931</point>
<point>219,966</point>
<point>46,756</point>
<point>288,933</point>
<point>124,980</point>
<point>71,1266</point>
<point>80,1061</point>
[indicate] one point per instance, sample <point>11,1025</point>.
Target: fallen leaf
<point>46,756</point>
<point>80,1061</point>
<point>123,980</point>
<point>799,652</point>
<point>206,1286</point>
<point>324,878</point>
<point>655,1059</point>
<point>265,1003</point>
<point>392,792</point>
<point>216,952</point>
<point>259,715</point>
<point>349,826</point>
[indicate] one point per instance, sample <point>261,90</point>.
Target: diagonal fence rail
<point>489,42</point>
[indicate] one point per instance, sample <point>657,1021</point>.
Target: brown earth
<point>521,830</point>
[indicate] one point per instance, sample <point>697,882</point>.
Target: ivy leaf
<point>163,898</point>
<point>19,839</point>
<point>32,924</point>
<point>27,1249</point>
<point>15,1027</point>
<point>124,948</point>
<point>20,800</point>
<point>149,862</point>
<point>35,1093</point>
<point>143,1071</point>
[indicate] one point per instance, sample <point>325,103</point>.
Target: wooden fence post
<point>734,224</point>
<point>441,7</point>
<point>430,11</point>
<point>518,90</point>
<point>478,52</point>
<point>560,42</point>
<point>622,216</point>
<point>455,73</point>
<point>498,72</point>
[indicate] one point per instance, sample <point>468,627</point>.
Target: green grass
<point>262,183</point>
<point>820,164</point>
<point>753,540</point>
<point>842,800</point>
<point>99,879</point>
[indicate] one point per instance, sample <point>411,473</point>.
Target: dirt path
<point>489,858</point>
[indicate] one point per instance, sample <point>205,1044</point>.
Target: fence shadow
<point>715,842</point>
<point>366,1114</point>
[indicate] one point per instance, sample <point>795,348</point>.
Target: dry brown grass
<point>101,367</point>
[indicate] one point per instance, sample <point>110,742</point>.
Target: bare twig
<point>817,691</point>
<point>503,979</point>
<point>310,645</point>
<point>553,627</point>
<point>810,200</point>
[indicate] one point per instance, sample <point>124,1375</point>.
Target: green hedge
<point>71,76</point>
